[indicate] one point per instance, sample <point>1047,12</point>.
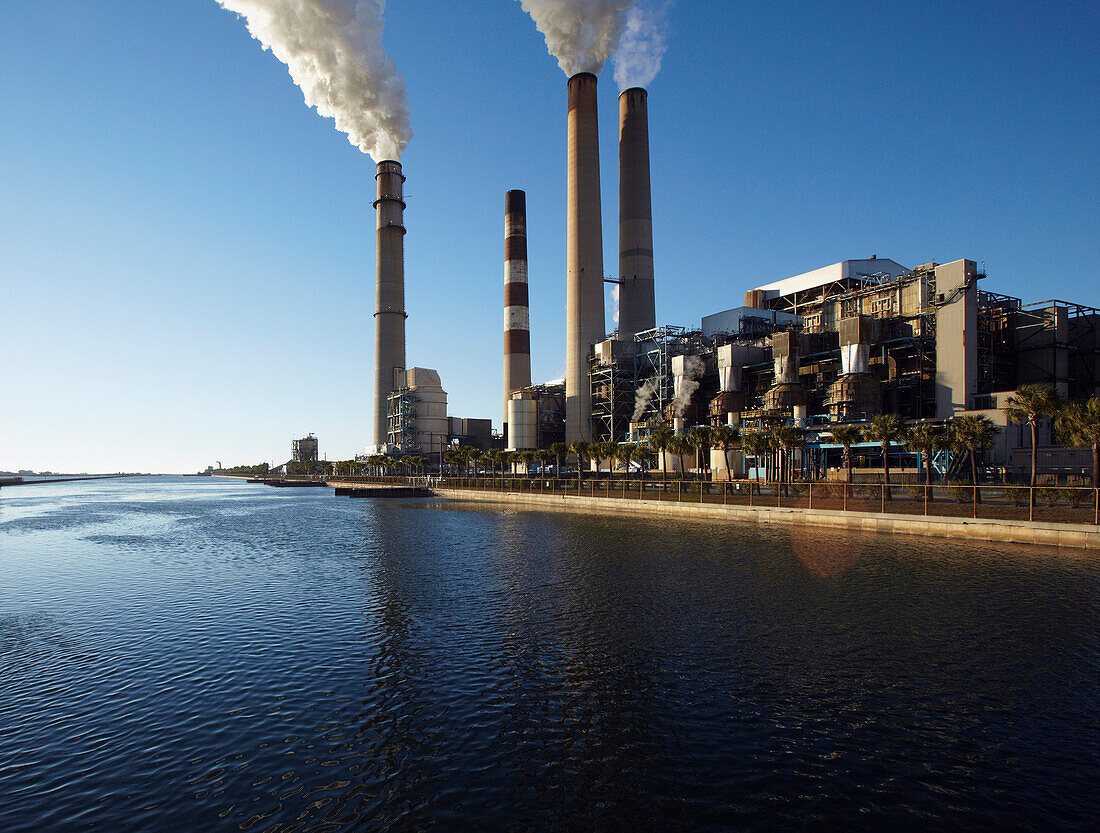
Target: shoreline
<point>1078,536</point>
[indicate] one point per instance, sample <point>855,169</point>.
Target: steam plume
<point>581,34</point>
<point>333,50</point>
<point>643,44</point>
<point>643,395</point>
<point>688,383</point>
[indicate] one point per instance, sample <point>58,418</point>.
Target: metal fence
<point>1051,504</point>
<point>1059,504</point>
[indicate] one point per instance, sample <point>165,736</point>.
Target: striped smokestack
<point>517,326</point>
<point>636,312</point>
<point>389,316</point>
<point>584,318</point>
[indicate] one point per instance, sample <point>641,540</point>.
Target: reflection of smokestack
<point>517,327</point>
<point>636,311</point>
<point>584,319</point>
<point>389,317</point>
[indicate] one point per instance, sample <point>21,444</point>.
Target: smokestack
<point>517,326</point>
<point>636,310</point>
<point>389,316</point>
<point>584,316</point>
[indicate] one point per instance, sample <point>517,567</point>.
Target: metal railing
<point>1052,504</point>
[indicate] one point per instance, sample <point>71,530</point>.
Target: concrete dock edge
<point>1078,536</point>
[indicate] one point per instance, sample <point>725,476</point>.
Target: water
<point>197,654</point>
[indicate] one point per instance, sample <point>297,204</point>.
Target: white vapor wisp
<point>642,45</point>
<point>333,50</point>
<point>581,34</point>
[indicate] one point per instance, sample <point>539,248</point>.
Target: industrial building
<point>840,343</point>
<point>304,450</point>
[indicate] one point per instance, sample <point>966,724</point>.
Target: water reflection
<point>315,664</point>
<point>824,553</point>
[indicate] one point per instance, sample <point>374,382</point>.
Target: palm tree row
<point>1075,423</point>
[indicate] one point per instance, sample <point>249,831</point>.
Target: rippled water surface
<point>197,654</point>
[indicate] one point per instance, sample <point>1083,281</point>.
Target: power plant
<point>840,343</point>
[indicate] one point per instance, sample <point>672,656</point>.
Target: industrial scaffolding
<point>401,408</point>
<point>652,363</point>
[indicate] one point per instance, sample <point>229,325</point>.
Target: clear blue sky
<point>187,251</point>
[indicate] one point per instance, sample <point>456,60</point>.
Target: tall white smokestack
<point>517,326</point>
<point>584,313</point>
<point>636,310</point>
<point>389,316</point>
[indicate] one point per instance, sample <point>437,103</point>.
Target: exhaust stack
<point>636,308</point>
<point>517,326</point>
<point>389,316</point>
<point>584,314</point>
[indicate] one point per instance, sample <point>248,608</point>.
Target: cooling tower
<point>389,316</point>
<point>584,316</point>
<point>636,312</point>
<point>517,327</point>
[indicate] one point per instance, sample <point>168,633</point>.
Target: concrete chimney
<point>636,311</point>
<point>584,315</point>
<point>517,326</point>
<point>389,316</point>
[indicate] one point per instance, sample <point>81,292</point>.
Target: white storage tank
<point>523,423</point>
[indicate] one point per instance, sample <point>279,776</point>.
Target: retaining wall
<point>1081,536</point>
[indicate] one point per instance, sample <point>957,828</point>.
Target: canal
<point>201,654</point>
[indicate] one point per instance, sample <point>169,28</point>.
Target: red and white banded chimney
<point>517,319</point>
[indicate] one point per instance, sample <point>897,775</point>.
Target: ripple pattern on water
<point>186,654</point>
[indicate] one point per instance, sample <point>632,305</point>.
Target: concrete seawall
<point>1079,536</point>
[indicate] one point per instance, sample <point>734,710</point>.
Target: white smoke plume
<point>687,384</point>
<point>581,34</point>
<point>333,50</point>
<point>643,44</point>
<point>614,297</point>
<point>642,396</point>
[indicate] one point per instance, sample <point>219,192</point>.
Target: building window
<point>882,306</point>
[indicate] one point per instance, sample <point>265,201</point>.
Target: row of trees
<point>1076,424</point>
<point>258,470</point>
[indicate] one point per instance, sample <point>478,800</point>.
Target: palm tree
<point>559,450</point>
<point>789,438</point>
<point>756,443</point>
<point>494,456</point>
<point>970,434</point>
<point>725,436</point>
<point>624,453</point>
<point>659,438</point>
<point>469,455</point>
<point>546,457</point>
<point>847,436</point>
<point>514,458</point>
<point>1028,406</point>
<point>605,451</point>
<point>528,457</point>
<point>925,438</point>
<point>582,450</point>
<point>680,445</point>
<point>1078,423</point>
<point>700,438</point>
<point>642,455</point>
<point>885,429</point>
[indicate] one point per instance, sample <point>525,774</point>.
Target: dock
<point>378,490</point>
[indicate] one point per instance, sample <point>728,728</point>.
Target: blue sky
<point>187,254</point>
